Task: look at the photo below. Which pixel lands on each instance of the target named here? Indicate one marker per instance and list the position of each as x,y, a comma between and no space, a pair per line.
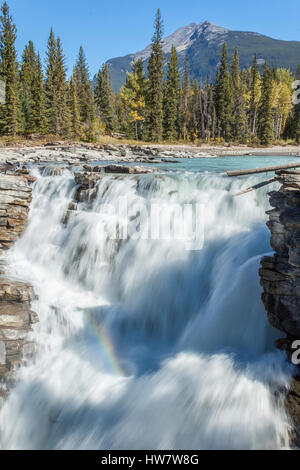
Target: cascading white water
144,344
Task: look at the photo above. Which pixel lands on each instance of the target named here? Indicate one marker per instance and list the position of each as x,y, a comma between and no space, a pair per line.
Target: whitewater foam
141,343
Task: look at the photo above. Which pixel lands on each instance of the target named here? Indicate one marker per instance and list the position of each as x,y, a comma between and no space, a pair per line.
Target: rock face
87,186
68,155
16,320
280,276
16,317
87,180
133,170
15,198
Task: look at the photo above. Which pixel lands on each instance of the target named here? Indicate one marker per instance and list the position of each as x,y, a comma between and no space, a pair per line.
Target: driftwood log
253,171
256,186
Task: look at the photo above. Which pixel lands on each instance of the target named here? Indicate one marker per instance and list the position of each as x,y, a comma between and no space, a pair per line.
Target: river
148,343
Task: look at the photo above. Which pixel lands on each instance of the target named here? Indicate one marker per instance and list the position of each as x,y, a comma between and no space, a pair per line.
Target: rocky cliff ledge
280,276
16,318
15,198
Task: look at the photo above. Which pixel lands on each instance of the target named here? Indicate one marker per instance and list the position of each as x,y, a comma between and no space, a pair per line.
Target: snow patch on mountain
184,37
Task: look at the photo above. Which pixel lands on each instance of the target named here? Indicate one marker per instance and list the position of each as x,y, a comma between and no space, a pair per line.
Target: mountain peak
203,43
184,37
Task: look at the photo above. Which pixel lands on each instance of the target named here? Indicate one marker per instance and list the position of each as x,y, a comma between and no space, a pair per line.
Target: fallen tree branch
256,186
262,170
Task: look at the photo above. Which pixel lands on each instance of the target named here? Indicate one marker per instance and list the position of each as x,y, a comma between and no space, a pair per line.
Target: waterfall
142,343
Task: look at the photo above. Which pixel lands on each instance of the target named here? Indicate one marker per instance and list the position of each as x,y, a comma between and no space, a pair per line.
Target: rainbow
107,348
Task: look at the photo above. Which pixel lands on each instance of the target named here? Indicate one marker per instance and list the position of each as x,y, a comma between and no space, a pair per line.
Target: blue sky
114,28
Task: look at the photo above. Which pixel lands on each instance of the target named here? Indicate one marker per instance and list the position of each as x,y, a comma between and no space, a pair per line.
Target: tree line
250,106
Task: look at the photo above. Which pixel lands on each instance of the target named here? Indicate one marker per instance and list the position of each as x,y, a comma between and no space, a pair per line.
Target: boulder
128,169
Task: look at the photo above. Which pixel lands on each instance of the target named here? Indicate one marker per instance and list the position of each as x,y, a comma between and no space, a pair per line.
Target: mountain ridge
202,42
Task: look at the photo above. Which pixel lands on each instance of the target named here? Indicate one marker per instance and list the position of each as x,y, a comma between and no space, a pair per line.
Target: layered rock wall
280,278
16,320
16,317
280,274
15,198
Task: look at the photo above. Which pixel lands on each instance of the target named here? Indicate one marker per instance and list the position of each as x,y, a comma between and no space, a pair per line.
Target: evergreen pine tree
51,59
212,114
172,98
60,106
266,118
295,134
56,88
224,97
85,90
186,90
104,98
292,130
10,112
254,94
239,123
201,109
215,100
197,103
209,111
133,97
27,74
235,70
141,80
75,121
39,98
156,82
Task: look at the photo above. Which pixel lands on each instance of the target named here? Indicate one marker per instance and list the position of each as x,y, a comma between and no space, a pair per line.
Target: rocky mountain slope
203,43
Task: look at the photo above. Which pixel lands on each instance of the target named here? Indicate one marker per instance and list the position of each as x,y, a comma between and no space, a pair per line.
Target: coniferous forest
250,106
